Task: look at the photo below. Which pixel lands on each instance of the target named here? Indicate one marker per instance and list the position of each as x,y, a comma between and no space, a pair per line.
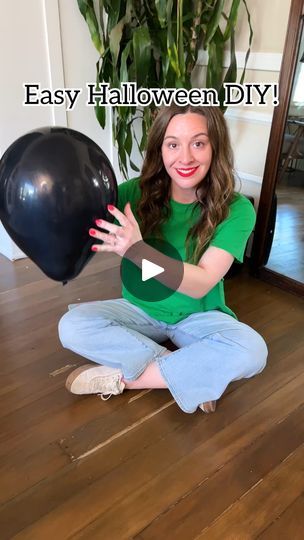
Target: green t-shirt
231,235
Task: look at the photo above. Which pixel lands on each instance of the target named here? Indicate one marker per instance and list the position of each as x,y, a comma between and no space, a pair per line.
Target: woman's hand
120,238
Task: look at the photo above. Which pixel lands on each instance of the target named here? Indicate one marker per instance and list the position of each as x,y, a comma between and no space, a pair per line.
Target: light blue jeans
214,348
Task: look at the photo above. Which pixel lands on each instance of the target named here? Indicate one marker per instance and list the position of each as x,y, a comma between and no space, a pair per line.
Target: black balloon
54,183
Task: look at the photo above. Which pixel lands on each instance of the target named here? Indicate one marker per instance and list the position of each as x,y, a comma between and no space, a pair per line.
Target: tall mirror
278,249
287,252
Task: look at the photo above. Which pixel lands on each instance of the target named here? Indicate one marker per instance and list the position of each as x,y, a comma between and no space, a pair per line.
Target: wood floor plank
290,523
95,435
263,503
21,444
149,468
24,385
22,272
289,368
286,255
32,294
282,370
209,500
131,487
43,312
29,449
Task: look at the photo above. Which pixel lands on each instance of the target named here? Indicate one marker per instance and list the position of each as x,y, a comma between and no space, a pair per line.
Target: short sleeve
233,233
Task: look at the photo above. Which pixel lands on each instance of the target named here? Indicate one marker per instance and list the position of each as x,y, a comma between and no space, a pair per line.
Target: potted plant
155,43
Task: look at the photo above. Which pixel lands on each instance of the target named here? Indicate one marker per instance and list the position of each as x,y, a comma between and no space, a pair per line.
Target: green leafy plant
155,43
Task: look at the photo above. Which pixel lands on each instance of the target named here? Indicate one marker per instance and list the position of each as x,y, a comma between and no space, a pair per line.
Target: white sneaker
95,379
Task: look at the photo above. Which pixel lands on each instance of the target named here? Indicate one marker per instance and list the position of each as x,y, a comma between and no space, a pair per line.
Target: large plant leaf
87,10
125,59
100,18
156,43
134,167
171,44
207,11
113,9
119,136
215,61
142,54
180,38
100,111
161,9
114,41
250,42
106,69
128,140
232,19
214,21
193,30
231,74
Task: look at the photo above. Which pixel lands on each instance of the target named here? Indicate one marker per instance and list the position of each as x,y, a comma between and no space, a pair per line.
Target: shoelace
102,396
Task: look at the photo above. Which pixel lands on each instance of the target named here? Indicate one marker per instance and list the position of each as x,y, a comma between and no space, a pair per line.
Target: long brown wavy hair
214,192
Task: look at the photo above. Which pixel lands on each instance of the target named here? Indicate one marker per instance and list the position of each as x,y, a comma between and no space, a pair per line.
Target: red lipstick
187,171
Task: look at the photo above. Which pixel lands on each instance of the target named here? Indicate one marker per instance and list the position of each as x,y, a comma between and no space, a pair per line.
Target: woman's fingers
105,237
103,247
119,238
121,218
106,225
129,213
98,234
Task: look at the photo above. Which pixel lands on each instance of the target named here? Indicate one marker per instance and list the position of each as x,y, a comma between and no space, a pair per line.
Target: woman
185,195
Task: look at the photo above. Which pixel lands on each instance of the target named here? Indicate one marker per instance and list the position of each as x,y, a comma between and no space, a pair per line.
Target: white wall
23,56
79,59
250,125
47,41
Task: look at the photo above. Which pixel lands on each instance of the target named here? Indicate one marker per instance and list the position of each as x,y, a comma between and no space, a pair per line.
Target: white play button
149,270
137,269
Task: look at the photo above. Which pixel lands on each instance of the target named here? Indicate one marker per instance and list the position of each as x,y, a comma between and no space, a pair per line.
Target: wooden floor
136,466
287,251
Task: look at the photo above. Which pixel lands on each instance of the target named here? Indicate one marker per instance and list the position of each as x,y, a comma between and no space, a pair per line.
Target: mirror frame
264,215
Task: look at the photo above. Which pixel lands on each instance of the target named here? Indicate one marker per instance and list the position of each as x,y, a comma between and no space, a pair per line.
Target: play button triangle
150,269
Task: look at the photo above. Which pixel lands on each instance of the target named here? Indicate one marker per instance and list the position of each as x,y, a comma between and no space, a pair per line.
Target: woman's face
187,154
